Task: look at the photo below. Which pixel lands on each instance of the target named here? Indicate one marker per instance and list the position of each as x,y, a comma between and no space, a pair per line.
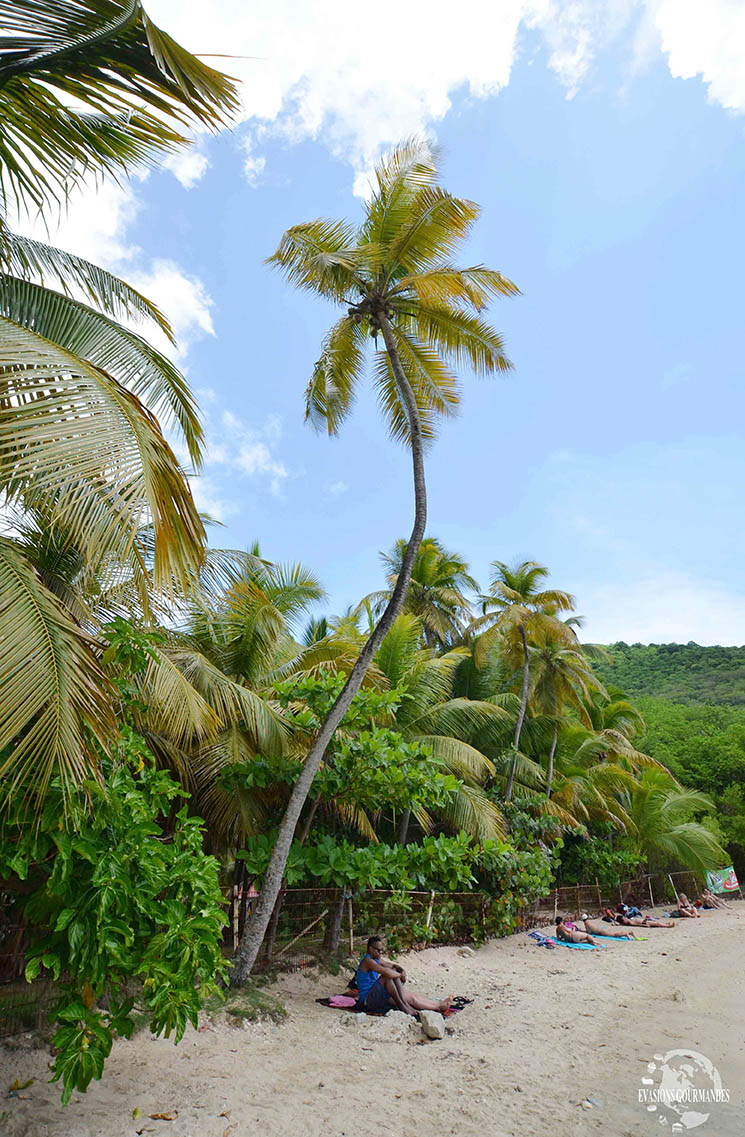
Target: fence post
431,906
649,886
600,895
235,906
351,924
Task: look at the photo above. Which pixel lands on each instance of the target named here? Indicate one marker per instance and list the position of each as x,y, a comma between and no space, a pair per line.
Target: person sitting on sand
686,910
709,900
380,985
571,935
598,928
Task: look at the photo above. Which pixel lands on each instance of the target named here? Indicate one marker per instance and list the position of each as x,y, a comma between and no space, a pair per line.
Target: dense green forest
704,747
682,673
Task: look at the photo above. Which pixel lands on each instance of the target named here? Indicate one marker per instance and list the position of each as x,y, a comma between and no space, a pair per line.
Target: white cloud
253,165
247,449
705,39
183,298
336,489
93,224
209,498
189,166
256,458
666,608
363,81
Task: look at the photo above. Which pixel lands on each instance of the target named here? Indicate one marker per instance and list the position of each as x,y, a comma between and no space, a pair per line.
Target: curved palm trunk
552,751
521,716
254,933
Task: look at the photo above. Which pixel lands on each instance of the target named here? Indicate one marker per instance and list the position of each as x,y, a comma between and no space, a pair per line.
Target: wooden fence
309,924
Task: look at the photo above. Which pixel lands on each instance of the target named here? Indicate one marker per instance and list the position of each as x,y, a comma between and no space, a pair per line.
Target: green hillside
693,702
681,673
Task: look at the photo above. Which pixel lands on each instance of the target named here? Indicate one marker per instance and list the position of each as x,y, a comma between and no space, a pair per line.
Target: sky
605,143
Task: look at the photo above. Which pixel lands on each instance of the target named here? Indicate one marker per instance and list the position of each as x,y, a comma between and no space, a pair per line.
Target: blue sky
611,192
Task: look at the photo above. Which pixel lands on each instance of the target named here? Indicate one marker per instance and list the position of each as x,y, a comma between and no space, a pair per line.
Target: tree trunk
273,925
523,709
333,931
256,928
403,827
552,751
309,820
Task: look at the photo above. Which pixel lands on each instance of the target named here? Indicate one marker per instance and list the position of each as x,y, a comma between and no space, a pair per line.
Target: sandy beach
547,1029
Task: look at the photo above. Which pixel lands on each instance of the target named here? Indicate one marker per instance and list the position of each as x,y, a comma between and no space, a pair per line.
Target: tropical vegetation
177,719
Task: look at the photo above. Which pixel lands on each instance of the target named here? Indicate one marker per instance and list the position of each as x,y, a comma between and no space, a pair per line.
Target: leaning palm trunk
550,769
521,715
250,944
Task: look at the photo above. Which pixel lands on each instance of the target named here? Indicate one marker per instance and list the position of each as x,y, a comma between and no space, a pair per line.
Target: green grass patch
248,1004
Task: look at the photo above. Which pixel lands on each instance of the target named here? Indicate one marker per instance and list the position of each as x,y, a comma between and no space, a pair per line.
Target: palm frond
446,286
330,394
176,709
99,340
34,260
458,757
56,702
466,340
71,433
399,175
230,702
471,811
136,86
320,256
437,223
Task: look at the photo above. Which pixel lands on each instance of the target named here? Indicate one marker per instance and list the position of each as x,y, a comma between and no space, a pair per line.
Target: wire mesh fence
312,925
23,1006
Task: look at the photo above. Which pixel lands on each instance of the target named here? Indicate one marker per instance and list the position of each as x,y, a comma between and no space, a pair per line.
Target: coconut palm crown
396,267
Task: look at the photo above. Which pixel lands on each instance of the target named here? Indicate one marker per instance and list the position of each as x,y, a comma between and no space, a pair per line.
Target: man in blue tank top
380,985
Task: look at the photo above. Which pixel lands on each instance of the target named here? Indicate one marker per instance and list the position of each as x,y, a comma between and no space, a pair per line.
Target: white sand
547,1029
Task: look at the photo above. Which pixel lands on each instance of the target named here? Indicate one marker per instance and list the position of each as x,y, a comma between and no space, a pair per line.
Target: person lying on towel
571,935
380,985
629,910
637,921
598,928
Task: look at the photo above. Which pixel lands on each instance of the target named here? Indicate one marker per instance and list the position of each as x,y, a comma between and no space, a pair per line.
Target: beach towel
347,1002
541,940
551,942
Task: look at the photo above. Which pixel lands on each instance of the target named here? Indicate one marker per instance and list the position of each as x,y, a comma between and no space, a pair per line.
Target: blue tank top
365,980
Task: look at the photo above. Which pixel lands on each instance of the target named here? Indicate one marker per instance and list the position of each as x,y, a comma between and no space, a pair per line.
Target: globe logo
680,1087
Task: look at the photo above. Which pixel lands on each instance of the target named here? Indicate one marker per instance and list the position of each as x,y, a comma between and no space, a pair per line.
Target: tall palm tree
393,274
562,680
436,593
79,442
516,607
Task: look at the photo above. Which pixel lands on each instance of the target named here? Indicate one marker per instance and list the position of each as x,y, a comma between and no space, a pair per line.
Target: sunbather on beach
686,910
380,985
709,900
641,921
599,928
572,935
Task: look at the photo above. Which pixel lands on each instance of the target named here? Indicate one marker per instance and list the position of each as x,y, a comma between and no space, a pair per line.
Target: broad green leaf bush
116,898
